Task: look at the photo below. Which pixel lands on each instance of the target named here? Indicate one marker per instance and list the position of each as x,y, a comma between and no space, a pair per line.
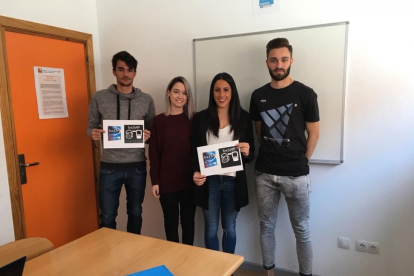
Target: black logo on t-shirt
277,120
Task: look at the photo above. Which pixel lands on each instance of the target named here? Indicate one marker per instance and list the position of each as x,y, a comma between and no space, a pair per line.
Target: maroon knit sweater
170,152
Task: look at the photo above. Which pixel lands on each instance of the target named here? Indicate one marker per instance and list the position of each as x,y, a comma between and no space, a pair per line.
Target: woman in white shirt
223,121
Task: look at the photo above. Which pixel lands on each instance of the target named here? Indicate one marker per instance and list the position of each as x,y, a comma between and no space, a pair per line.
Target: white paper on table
220,158
50,92
123,134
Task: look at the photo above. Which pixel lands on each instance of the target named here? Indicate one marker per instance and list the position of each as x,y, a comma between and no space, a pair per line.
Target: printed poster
220,158
50,92
123,134
265,6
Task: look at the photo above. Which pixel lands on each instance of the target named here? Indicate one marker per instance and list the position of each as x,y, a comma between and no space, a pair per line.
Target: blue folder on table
156,271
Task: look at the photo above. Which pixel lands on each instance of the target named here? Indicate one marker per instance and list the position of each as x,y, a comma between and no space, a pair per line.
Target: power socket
361,246
373,247
367,246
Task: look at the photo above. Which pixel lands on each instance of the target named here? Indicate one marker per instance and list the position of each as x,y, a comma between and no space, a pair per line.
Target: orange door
59,197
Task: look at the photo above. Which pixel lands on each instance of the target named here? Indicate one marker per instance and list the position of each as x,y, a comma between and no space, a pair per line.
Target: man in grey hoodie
121,166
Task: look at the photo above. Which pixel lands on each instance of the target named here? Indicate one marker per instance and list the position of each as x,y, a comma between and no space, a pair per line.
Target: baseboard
259,268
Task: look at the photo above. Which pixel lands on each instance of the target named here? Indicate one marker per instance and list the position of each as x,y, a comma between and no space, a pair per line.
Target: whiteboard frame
346,23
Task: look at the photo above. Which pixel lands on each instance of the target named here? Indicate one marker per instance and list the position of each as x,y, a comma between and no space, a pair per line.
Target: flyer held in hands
123,134
220,158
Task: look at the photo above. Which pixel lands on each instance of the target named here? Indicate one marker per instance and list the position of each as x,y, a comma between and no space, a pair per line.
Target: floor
242,272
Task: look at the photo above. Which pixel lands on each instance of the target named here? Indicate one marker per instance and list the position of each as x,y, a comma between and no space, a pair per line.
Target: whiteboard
319,61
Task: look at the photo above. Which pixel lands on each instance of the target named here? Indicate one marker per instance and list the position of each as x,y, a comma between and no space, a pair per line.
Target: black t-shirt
283,114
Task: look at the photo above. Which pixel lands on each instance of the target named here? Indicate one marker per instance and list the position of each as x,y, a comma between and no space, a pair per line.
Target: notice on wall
50,92
123,134
220,158
265,6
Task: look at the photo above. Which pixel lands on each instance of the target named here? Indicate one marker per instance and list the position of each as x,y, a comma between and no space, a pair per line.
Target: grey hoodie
103,106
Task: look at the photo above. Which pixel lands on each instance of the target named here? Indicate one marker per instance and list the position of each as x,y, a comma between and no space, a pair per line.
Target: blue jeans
110,185
221,196
296,191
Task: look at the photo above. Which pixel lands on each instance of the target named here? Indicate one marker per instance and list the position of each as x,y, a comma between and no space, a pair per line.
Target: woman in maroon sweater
170,160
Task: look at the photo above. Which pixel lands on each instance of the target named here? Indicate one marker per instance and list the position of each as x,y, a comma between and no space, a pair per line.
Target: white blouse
225,135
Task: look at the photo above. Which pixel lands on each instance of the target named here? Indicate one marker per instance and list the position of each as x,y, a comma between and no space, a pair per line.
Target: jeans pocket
141,170
309,184
106,171
256,172
297,177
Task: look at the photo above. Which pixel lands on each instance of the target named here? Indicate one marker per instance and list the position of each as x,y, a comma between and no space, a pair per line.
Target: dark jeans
221,196
110,185
175,206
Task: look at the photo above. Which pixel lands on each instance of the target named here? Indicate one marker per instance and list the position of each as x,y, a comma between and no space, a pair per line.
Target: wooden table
110,252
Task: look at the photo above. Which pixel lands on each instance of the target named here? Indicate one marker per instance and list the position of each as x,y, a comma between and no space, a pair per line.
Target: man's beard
279,77
125,82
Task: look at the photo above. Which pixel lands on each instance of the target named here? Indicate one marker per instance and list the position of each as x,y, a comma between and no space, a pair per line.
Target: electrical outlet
373,247
367,246
361,245
344,243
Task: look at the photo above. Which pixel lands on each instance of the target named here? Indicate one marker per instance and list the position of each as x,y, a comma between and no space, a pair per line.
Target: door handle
30,164
22,167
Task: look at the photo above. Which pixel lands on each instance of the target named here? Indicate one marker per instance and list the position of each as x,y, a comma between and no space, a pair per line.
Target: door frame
7,118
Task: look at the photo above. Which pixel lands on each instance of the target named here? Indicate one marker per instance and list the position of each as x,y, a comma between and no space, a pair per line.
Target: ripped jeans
296,191
221,196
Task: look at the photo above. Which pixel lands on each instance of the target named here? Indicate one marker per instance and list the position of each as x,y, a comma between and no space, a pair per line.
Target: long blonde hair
190,106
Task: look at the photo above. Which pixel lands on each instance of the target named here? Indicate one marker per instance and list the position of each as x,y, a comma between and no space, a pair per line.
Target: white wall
370,195
78,15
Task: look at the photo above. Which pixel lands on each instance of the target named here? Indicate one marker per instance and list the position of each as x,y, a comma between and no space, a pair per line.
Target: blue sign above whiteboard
266,2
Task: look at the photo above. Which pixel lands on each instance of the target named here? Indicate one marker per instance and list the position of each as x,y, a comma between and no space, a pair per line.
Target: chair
14,268
29,247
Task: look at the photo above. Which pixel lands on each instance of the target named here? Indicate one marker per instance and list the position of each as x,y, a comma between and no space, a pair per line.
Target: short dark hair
125,57
278,43
234,108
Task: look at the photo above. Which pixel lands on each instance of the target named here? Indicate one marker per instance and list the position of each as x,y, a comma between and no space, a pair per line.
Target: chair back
14,268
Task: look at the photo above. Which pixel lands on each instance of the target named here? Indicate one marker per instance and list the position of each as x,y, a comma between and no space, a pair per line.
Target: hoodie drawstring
129,109
118,111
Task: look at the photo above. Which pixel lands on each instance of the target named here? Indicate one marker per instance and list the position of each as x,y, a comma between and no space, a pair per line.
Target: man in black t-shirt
283,110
